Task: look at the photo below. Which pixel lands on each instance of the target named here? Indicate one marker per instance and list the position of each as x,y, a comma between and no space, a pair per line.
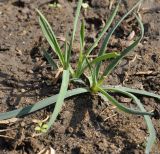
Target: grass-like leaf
134,91
109,34
74,28
95,79
91,78
82,44
82,36
102,58
152,133
66,50
61,97
120,106
106,40
152,137
50,36
109,22
50,60
40,105
115,61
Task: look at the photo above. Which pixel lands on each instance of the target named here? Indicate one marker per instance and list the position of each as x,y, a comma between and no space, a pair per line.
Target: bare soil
86,124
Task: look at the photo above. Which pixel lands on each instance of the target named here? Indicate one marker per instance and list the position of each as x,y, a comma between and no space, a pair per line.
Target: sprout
95,79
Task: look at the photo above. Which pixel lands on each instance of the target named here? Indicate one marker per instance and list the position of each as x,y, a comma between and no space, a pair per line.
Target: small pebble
19,52
59,129
131,36
69,130
30,71
23,90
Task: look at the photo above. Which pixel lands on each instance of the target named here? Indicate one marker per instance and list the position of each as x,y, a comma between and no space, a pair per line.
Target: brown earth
86,124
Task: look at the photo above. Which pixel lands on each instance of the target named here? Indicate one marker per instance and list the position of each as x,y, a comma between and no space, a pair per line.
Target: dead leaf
144,73
37,121
131,36
5,136
58,74
8,121
4,130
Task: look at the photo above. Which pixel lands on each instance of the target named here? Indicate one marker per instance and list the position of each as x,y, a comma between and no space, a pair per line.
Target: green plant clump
41,128
95,78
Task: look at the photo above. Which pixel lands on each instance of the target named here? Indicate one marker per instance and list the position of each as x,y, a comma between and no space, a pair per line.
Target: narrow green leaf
104,57
66,48
81,64
50,36
135,91
108,36
76,19
109,22
82,44
91,79
83,61
101,58
120,106
40,105
74,28
152,133
71,70
50,60
115,61
82,35
61,97
78,80
152,137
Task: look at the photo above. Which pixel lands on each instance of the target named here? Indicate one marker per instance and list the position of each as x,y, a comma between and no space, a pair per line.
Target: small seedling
95,79
41,128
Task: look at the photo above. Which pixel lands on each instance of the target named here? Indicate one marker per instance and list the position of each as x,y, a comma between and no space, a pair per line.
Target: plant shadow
16,91
85,116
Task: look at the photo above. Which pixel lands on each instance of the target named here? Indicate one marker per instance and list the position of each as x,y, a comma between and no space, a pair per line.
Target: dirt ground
86,124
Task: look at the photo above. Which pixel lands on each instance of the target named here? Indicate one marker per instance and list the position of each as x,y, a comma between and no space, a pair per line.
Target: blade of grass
66,48
79,81
152,137
50,36
101,58
82,36
76,19
109,22
135,91
91,79
115,61
108,36
50,60
82,43
74,29
40,105
60,99
152,133
120,106
71,70
106,40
